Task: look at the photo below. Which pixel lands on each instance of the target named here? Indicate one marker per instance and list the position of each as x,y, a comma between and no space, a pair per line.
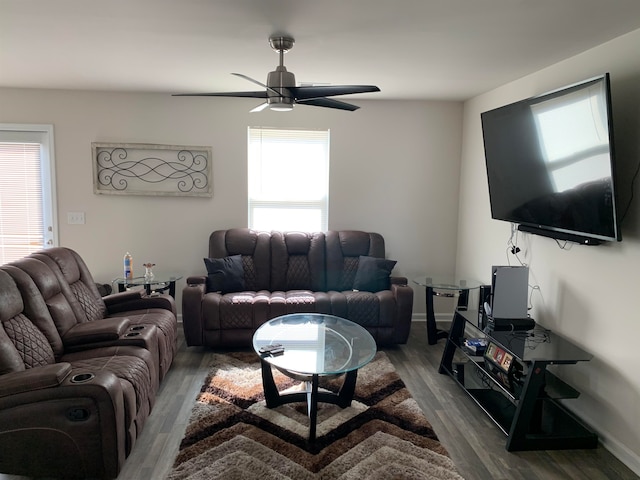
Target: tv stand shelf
523,403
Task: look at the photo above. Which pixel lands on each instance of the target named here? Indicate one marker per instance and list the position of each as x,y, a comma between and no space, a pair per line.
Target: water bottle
128,266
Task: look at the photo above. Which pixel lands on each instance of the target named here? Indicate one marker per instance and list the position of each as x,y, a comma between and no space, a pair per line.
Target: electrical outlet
75,218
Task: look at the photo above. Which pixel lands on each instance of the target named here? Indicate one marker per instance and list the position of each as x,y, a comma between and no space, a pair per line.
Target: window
27,190
288,179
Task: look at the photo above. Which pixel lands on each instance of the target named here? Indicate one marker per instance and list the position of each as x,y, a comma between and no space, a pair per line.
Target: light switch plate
75,218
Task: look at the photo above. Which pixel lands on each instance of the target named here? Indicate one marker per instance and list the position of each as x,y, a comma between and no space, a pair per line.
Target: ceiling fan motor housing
279,80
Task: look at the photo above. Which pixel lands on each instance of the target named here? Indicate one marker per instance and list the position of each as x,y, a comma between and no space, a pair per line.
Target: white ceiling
431,49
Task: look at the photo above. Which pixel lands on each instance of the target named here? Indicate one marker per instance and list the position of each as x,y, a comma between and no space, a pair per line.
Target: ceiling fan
281,93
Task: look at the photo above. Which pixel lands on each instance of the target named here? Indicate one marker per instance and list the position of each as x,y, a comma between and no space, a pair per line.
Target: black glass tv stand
513,386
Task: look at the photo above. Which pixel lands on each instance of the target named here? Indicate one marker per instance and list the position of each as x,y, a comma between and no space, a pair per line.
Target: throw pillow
225,275
373,274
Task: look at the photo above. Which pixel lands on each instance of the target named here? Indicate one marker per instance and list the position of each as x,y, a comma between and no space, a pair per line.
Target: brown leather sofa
78,373
342,273
74,303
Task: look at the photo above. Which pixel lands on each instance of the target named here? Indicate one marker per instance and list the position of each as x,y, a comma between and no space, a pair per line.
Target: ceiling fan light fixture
281,107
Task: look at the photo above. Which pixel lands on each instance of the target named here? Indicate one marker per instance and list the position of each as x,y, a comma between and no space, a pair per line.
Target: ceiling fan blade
250,79
256,82
304,93
329,103
260,94
260,107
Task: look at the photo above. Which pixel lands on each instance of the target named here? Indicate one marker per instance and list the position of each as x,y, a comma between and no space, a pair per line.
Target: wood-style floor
473,441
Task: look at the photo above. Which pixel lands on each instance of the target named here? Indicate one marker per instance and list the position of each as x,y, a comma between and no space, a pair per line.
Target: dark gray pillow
225,275
373,274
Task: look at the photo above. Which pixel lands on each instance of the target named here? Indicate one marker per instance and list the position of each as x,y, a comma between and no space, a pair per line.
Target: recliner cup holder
82,377
138,327
132,334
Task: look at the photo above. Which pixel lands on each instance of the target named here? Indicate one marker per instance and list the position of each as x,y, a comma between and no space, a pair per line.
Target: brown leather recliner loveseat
78,373
255,276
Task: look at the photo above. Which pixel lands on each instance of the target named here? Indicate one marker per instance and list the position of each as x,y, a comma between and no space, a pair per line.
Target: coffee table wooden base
312,396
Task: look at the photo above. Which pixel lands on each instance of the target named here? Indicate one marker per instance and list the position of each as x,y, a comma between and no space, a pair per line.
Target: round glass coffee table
312,345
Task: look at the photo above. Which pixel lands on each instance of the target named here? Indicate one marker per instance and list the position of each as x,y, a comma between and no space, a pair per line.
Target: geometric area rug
382,435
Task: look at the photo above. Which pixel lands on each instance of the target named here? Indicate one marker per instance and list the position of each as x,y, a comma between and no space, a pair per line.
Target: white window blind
288,175
26,192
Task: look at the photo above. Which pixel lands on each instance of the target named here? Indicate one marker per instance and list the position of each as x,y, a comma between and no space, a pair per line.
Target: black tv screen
550,163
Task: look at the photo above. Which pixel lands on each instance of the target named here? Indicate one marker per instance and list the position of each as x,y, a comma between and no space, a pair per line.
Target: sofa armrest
120,297
398,280
192,322
403,295
196,280
136,300
104,330
37,378
56,417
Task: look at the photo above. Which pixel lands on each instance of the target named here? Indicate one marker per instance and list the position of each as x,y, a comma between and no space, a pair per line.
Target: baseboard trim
416,317
422,317
617,449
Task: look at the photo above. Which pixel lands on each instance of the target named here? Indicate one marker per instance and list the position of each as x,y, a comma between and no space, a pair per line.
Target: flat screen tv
550,163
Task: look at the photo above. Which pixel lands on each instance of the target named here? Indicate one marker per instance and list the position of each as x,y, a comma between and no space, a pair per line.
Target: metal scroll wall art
142,169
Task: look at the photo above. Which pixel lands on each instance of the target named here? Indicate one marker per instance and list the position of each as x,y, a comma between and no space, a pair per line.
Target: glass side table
444,287
160,283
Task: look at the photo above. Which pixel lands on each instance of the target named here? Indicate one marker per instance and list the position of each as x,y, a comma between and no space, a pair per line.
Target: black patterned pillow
373,274
225,275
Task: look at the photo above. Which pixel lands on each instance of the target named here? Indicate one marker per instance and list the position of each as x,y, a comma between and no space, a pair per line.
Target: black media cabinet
520,395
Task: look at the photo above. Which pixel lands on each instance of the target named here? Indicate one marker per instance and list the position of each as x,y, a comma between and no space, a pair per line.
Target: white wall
394,170
587,293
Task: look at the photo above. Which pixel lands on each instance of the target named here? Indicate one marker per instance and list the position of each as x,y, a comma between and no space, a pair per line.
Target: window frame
42,134
255,165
